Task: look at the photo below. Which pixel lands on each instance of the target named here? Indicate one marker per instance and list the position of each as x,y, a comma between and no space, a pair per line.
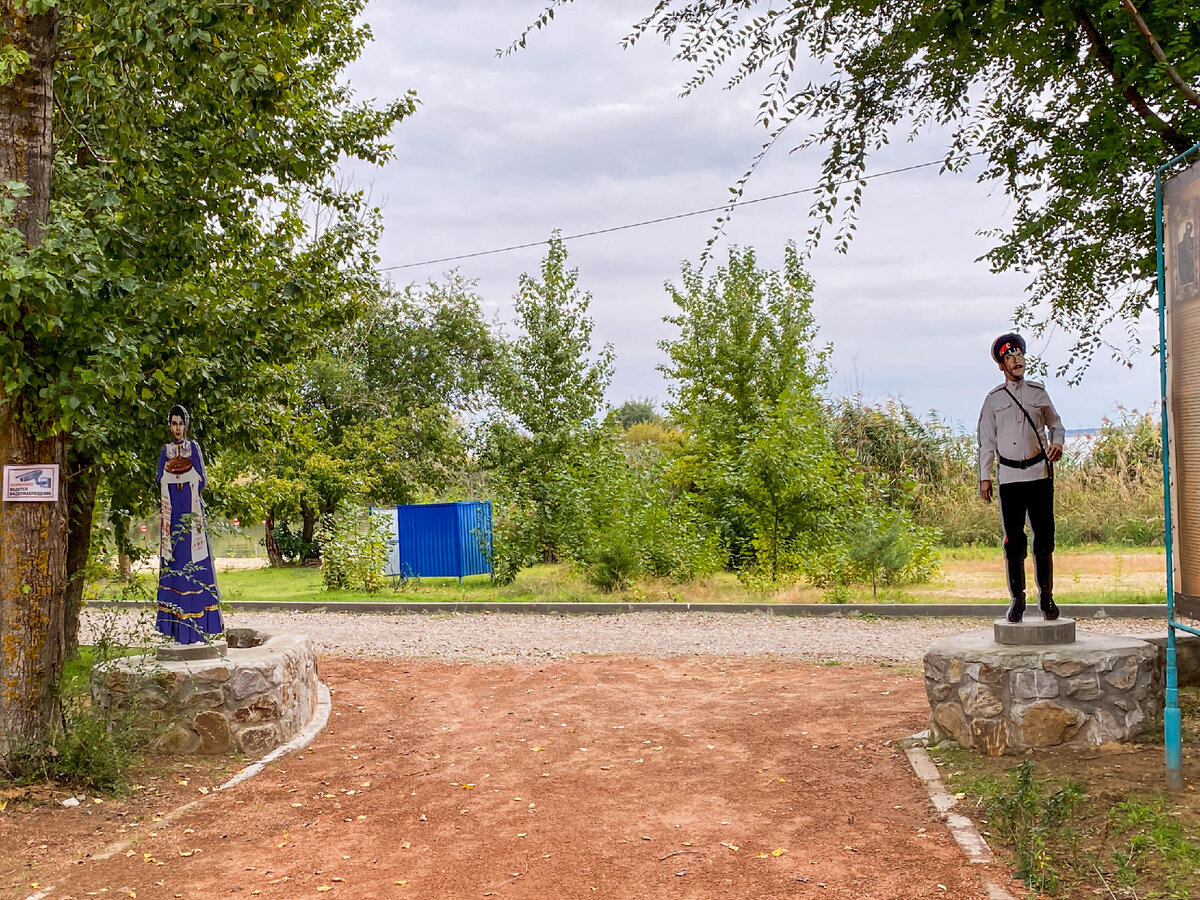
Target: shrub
613,563
292,547
353,550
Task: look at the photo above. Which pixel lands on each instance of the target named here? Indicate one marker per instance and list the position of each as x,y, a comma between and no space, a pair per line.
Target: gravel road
499,637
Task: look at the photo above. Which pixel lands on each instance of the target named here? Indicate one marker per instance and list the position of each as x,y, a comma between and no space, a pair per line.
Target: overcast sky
577,134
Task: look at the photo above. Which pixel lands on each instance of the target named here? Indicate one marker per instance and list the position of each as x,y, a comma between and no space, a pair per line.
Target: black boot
1043,571
1015,570
1016,609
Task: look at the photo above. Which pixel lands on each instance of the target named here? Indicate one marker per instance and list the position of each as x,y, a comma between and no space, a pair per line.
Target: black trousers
1032,500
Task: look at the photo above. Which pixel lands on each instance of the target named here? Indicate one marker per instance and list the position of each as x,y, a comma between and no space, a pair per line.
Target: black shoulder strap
1036,433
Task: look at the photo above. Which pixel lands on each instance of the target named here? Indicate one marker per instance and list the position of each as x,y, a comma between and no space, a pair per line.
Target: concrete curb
962,829
889,610
307,735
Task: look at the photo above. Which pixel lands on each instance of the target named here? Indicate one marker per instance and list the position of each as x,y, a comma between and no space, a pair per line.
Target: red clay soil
587,778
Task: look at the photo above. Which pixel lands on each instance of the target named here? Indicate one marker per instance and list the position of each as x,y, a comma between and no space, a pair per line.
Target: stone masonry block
1034,684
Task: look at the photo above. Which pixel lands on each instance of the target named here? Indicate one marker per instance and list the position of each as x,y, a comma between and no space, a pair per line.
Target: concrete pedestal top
1037,632
174,652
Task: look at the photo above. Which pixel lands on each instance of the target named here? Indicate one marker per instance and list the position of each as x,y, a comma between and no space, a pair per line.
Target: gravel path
498,637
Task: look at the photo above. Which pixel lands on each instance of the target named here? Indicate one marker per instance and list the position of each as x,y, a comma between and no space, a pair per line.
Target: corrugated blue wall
444,540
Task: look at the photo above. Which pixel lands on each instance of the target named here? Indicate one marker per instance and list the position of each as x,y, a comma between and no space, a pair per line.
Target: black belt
1022,463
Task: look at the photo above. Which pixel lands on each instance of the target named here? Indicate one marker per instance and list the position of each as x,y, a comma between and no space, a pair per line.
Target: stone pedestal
259,694
1002,698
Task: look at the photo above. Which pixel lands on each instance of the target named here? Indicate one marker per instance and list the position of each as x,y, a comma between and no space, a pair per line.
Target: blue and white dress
188,598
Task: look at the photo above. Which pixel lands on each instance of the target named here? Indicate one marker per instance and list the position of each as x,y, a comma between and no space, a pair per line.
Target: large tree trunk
274,557
26,108
33,577
33,536
308,517
81,505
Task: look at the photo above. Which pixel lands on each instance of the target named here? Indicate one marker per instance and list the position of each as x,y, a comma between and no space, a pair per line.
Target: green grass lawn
969,575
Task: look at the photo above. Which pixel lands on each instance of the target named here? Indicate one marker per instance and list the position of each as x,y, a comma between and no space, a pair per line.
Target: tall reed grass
1108,487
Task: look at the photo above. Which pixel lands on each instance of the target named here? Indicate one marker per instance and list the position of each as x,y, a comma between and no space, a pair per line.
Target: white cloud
576,133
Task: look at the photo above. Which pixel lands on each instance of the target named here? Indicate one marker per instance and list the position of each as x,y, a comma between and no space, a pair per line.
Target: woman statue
188,599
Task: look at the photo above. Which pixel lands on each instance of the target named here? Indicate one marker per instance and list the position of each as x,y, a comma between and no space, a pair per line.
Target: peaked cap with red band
1006,343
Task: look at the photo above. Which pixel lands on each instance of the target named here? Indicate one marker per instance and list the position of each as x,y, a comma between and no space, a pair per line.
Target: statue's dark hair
178,410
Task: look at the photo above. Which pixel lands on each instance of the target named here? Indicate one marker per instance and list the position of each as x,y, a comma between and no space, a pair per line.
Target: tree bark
274,557
308,516
26,110
33,536
81,506
33,580
1178,141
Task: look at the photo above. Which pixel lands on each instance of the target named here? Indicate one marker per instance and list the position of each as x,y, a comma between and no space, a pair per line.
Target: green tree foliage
634,519
638,411
1071,105
194,246
745,376
548,394
378,410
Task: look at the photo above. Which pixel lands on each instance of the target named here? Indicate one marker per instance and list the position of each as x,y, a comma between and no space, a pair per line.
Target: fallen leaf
778,851
321,888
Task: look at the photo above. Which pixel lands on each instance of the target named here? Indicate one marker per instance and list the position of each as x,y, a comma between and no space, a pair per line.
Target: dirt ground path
602,777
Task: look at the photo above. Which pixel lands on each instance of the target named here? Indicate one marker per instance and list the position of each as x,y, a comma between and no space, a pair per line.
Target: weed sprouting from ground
1035,822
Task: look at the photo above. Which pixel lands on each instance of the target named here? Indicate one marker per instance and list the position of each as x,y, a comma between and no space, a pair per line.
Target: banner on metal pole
1181,230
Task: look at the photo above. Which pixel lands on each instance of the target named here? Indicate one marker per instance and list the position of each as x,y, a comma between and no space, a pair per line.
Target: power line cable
660,219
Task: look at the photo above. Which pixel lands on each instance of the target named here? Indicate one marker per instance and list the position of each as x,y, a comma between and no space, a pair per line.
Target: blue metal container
439,540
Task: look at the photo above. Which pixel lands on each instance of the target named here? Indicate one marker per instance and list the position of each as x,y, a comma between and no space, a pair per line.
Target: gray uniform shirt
1004,430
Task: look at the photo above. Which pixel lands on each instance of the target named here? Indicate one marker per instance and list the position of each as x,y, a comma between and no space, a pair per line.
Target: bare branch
1104,55
1177,80
96,156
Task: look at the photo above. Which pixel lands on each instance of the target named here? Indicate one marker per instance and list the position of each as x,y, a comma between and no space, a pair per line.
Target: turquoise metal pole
1172,717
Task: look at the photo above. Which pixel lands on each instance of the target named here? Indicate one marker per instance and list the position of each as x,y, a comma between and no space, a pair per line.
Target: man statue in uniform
1019,428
